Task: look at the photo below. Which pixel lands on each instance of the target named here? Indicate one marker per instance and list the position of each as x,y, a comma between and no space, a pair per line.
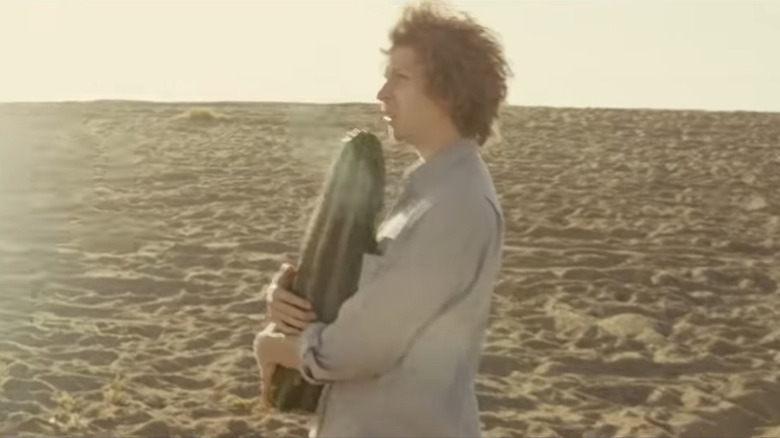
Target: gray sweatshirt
403,354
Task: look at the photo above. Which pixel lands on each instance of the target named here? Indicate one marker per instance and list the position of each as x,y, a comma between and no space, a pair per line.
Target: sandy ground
639,295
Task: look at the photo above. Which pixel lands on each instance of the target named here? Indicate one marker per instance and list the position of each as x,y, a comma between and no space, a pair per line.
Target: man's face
408,108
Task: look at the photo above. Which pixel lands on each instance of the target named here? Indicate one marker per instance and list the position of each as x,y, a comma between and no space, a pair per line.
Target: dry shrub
202,115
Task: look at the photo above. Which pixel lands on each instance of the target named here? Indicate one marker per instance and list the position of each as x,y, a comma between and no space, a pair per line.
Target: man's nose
382,93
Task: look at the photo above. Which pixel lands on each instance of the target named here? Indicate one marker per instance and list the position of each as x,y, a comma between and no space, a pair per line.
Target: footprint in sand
636,326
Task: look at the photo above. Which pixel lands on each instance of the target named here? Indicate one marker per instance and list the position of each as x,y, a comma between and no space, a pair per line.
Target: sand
639,294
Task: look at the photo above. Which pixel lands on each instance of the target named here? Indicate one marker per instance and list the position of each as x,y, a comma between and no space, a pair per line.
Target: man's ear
442,102
446,105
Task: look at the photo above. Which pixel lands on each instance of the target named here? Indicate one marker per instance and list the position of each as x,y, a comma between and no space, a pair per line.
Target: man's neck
437,140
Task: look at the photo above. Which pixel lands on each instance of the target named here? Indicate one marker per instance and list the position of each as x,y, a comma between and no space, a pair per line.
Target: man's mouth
387,115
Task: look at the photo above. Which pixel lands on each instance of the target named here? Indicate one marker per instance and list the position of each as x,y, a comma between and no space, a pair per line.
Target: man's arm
431,264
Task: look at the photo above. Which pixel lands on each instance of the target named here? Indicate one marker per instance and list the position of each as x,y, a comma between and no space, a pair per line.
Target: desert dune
639,292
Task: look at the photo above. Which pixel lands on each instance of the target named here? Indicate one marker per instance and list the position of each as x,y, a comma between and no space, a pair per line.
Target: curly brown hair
464,63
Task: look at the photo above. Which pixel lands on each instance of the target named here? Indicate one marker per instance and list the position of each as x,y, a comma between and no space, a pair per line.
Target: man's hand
266,356
289,312
273,349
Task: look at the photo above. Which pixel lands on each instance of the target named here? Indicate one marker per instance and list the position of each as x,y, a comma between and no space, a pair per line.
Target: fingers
280,287
290,326
263,355
285,296
256,346
288,329
267,371
288,318
290,314
284,276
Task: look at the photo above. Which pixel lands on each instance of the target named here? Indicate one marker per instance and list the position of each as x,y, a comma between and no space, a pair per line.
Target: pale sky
717,55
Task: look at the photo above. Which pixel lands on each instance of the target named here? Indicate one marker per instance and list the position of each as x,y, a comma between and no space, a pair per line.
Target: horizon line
364,103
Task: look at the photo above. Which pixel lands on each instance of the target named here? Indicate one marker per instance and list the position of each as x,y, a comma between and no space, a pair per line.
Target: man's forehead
402,58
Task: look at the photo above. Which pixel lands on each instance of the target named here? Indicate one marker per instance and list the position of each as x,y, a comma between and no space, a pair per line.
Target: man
402,356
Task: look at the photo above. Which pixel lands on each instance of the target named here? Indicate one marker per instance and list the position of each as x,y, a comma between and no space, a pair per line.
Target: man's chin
394,135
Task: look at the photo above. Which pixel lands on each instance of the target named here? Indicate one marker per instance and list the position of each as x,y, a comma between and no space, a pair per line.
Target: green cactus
341,229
